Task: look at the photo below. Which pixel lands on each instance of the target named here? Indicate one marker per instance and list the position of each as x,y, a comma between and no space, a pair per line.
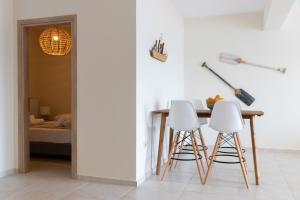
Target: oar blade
229,59
244,96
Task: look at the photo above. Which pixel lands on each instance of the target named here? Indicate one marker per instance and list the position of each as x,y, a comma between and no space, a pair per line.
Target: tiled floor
280,178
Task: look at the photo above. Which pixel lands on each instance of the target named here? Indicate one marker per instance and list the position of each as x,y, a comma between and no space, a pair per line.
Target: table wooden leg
161,142
171,139
254,150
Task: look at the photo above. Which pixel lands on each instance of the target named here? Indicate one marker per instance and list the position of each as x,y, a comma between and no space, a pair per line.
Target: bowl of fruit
210,102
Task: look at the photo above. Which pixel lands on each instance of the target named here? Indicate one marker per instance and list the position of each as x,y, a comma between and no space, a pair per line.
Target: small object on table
210,102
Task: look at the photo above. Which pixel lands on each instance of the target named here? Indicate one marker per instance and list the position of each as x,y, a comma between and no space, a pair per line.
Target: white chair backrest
226,117
183,116
240,109
198,105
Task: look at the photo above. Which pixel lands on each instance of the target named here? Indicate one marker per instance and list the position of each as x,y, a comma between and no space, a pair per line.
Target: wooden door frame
23,82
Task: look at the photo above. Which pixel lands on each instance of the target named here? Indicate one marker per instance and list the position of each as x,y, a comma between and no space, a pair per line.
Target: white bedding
52,135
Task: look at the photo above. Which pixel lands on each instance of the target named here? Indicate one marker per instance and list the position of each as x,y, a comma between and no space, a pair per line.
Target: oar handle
215,73
282,70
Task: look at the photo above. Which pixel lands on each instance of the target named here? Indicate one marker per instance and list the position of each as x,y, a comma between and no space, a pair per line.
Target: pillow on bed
67,123
63,120
62,116
35,121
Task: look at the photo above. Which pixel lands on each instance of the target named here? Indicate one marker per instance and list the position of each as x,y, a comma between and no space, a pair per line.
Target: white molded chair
183,119
202,121
240,108
198,105
226,118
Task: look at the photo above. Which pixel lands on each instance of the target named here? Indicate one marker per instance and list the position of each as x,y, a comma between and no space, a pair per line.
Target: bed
47,139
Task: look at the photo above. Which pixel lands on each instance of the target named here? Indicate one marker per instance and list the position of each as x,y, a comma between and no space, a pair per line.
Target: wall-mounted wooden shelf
158,50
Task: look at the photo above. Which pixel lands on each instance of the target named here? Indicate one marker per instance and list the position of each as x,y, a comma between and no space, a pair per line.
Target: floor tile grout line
75,189
127,192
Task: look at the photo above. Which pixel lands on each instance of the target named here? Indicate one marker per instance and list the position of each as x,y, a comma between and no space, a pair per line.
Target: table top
207,113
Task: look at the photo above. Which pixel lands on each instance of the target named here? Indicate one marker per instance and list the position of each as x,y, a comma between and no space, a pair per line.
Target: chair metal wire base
224,150
229,152
185,150
185,159
189,149
227,162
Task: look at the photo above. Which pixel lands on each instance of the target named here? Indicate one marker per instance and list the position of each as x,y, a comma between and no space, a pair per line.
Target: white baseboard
8,172
107,180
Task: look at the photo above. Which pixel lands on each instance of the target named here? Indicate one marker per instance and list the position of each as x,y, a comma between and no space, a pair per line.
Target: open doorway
47,91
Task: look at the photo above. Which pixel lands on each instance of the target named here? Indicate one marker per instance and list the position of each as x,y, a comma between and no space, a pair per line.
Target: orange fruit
210,99
218,98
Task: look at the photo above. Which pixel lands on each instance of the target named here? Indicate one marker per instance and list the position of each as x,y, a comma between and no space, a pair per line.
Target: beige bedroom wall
49,76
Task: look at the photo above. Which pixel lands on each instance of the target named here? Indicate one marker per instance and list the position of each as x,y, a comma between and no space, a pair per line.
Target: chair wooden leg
175,148
216,147
199,152
239,151
196,156
203,146
170,156
180,149
240,144
171,139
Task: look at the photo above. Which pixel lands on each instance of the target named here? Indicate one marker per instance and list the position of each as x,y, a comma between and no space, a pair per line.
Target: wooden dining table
246,114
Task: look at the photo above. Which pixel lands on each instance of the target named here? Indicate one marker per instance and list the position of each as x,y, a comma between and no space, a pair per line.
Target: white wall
6,88
157,82
106,82
276,94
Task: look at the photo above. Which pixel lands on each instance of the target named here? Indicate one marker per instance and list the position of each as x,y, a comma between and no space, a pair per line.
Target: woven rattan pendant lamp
55,41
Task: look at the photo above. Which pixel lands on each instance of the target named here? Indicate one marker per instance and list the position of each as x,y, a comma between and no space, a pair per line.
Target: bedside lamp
45,112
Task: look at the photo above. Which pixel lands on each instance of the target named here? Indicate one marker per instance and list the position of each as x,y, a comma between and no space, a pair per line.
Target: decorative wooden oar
239,93
236,60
